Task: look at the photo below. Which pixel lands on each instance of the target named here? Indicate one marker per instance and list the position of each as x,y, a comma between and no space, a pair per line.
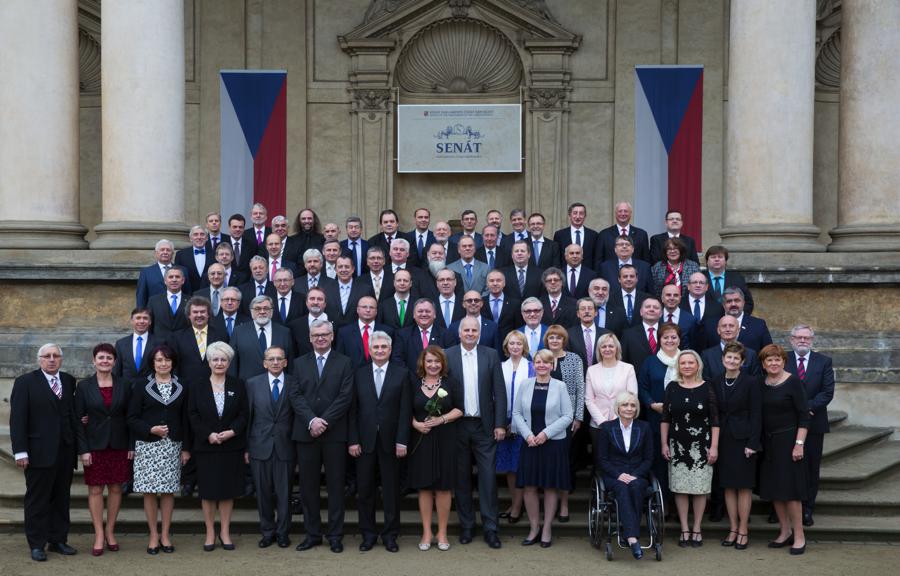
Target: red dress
108,466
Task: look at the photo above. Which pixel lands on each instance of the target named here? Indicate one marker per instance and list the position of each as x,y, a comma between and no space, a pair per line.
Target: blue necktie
174,304
448,317
468,274
421,245
138,353
495,309
229,325
537,252
491,260
600,320
578,237
261,289
698,317
717,284
275,392
283,309
629,310
521,281
262,340
199,251
355,255
321,364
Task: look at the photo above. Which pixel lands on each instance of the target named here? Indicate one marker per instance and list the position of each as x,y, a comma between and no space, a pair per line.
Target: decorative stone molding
539,6
828,44
460,8
548,98
459,56
88,63
380,7
371,100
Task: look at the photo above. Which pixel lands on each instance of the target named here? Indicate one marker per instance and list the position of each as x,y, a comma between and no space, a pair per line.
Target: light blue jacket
558,413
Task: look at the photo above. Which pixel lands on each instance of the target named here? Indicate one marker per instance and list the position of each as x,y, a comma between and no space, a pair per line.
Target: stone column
869,195
39,125
143,123
769,154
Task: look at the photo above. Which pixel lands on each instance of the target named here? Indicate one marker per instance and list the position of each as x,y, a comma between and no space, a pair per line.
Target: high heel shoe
798,551
532,541
229,546
696,542
786,542
112,547
740,546
726,541
684,542
97,551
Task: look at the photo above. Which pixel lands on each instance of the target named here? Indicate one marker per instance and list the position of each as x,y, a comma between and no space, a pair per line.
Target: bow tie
199,251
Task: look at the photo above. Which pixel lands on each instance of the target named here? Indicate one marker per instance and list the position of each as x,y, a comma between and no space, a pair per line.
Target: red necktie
365,337
624,233
670,317
651,339
424,339
801,369
274,269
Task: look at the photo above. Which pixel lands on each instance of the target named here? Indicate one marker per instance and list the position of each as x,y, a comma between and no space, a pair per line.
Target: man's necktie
259,237
376,283
801,369
201,342
199,251
495,309
717,286
698,316
320,362
578,237
55,387
535,342
448,316
138,353
237,252
215,302
670,318
572,282
491,260
275,392
589,346
262,340
402,312
600,320
355,255
283,309
174,304
365,339
379,381
468,274
424,339
629,308
229,325
651,340
274,269
553,304
537,252
522,281
623,232
421,245
215,241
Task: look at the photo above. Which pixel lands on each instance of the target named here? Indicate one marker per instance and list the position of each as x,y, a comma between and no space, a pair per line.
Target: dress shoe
229,546
786,542
424,546
773,517
367,545
636,550
531,541
563,519
112,547
61,548
738,545
546,543
209,547
391,545
167,549
684,542
808,519
96,551
308,543
336,546
38,555
515,519
492,539
696,539
283,541
726,541
154,550
443,546
798,551
465,537
266,541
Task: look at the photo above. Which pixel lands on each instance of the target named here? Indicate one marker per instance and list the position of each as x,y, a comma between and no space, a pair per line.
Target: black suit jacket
502,258
106,427
327,397
297,244
363,248
635,346
707,329
576,342
348,315
615,460
389,315
165,324
185,259
249,292
39,422
248,251
533,285
219,321
566,309
609,271
192,368
349,342
205,418
380,241
713,367
301,284
563,237
248,358
656,247
457,313
124,367
740,408
732,279
413,238
606,244
492,401
510,315
582,284
408,343
819,385
550,254
249,240
146,409
386,418
296,309
617,303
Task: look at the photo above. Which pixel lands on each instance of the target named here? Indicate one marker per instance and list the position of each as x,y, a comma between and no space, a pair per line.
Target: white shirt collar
272,378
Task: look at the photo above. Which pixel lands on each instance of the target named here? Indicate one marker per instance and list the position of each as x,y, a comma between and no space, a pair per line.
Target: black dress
431,464
740,405
784,411
547,465
691,414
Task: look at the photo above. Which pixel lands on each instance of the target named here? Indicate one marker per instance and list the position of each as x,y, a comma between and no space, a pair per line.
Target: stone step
857,469
837,417
844,440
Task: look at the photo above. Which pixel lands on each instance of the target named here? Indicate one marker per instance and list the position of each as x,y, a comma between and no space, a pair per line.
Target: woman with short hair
516,369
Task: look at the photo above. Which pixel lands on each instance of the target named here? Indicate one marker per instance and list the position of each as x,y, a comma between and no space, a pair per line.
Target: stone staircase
859,498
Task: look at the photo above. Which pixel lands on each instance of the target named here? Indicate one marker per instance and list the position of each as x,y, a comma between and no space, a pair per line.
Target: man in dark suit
420,238
195,258
642,339
354,245
133,360
442,237
606,238
449,305
728,329
151,280
544,252
380,417
577,233
817,374
270,448
489,335
624,257
230,315
316,301
308,233
627,298
251,339
491,253
583,337
523,279
254,237
314,277
42,430
409,341
321,402
274,259
674,222
754,331
190,343
720,279
289,303
167,309
608,317
215,284
376,276
343,298
577,276
354,340
672,313
242,253
224,254
558,308
499,307
469,221
396,312
477,369
292,247
389,223
214,235
533,329
258,285
704,310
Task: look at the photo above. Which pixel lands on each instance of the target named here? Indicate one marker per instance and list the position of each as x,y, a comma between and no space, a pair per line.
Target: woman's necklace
430,387
730,382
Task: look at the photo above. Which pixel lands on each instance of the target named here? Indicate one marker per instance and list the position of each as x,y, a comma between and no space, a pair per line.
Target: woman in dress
604,382
437,403
516,369
656,373
569,368
157,417
541,416
740,403
625,452
782,472
690,442
218,414
675,269
101,402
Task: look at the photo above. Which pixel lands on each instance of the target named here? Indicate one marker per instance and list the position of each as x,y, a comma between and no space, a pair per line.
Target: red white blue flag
668,138
253,118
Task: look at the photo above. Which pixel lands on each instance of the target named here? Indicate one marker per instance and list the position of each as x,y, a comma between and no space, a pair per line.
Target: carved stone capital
460,8
548,98
371,99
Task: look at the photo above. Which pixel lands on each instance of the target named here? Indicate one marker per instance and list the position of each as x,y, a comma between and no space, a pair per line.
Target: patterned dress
691,414
108,466
157,465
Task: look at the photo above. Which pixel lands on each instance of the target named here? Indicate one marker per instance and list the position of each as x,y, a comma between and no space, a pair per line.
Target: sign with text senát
459,138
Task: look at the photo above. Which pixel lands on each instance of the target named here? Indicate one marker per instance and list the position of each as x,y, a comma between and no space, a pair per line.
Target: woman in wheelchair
625,454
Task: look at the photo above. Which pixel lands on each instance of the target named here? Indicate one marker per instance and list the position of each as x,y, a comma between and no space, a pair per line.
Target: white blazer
557,415
600,396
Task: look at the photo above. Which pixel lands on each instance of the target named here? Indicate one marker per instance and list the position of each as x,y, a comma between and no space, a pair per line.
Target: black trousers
47,495
368,468
310,458
629,502
812,453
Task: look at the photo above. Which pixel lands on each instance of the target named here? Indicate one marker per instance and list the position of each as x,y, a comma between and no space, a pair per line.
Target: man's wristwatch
798,442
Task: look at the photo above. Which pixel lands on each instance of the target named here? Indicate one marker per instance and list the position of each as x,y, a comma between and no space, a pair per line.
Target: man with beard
251,339
308,231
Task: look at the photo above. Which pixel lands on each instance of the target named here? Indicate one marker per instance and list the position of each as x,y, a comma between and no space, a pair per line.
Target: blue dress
547,465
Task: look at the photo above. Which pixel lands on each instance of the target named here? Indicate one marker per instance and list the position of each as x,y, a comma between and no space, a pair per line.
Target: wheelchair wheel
656,517
609,555
658,549
596,515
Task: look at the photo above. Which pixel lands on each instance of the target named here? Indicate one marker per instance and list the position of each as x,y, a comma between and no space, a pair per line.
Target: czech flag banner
668,138
253,118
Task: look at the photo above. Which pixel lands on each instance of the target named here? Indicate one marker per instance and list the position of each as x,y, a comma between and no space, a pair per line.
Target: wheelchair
603,519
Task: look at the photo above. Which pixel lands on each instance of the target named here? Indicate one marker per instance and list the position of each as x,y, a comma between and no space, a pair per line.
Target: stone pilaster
143,123
39,125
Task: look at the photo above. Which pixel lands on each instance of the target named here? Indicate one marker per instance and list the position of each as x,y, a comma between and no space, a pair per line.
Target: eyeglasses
275,359
539,311
261,309
51,356
472,300
317,336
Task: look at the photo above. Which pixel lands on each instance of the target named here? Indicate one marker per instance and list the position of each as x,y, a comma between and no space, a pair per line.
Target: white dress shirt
470,381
